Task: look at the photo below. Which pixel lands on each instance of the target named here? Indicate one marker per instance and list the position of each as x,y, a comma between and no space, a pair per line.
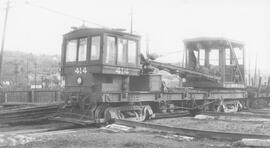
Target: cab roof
83,31
211,42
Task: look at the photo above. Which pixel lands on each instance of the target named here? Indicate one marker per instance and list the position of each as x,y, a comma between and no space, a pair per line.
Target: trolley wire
3,4
12,4
65,14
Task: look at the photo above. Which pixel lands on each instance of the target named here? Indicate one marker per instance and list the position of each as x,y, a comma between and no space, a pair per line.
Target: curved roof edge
102,30
204,39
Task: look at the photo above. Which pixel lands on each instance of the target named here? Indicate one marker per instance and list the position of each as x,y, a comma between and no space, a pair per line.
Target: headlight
79,80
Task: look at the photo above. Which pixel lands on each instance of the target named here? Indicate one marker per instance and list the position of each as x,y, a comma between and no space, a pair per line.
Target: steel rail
80,122
171,115
193,132
238,114
261,112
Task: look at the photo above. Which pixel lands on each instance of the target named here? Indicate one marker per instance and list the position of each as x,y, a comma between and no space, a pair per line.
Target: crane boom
182,70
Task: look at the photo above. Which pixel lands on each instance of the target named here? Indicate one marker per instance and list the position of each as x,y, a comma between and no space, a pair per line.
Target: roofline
103,30
212,39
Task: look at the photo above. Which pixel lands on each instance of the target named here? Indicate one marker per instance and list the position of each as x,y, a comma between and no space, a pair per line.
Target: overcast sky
38,27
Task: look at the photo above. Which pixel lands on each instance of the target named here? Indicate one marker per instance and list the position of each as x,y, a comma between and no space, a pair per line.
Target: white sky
166,22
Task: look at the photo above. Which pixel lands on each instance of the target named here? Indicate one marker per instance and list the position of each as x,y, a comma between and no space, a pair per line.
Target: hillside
19,69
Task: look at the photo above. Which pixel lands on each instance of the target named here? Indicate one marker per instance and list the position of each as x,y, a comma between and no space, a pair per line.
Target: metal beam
236,61
182,70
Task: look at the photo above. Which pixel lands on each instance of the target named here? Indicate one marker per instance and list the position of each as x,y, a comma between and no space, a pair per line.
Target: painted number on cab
80,70
133,98
121,70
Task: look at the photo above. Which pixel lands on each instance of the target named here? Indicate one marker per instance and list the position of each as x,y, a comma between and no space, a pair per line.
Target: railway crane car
220,57
106,76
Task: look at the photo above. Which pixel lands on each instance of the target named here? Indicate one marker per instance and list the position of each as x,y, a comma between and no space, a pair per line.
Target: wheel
99,112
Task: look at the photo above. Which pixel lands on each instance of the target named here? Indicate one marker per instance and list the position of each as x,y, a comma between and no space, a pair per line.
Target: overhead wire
4,4
65,14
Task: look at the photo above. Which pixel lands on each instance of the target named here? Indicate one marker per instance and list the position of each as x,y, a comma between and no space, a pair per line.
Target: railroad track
237,114
182,131
193,132
171,115
259,111
32,113
85,121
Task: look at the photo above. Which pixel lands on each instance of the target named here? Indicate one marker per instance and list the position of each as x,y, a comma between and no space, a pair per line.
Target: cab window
132,51
95,48
122,50
214,57
228,56
71,50
111,47
202,57
239,55
82,49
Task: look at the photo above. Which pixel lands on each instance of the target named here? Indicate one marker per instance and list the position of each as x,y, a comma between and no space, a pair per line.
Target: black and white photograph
134,73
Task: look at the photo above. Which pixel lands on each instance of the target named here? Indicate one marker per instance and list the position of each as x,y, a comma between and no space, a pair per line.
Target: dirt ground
67,136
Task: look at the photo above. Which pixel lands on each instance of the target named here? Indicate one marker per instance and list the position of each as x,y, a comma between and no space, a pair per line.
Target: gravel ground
93,137
222,123
36,136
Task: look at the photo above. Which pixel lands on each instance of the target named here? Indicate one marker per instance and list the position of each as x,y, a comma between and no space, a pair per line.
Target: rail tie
193,132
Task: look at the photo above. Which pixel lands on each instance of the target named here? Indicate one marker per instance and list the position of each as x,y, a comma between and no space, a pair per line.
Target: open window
95,48
122,51
239,55
132,51
228,56
82,53
111,47
214,57
71,51
202,57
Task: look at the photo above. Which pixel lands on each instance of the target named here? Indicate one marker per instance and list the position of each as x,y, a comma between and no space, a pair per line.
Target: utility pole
147,41
268,86
3,40
16,72
35,76
249,74
34,96
27,72
255,73
131,21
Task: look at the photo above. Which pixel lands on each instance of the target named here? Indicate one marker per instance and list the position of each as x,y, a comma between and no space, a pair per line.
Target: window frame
105,49
78,47
124,62
211,59
136,53
77,50
228,57
202,57
66,45
90,48
239,55
117,36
